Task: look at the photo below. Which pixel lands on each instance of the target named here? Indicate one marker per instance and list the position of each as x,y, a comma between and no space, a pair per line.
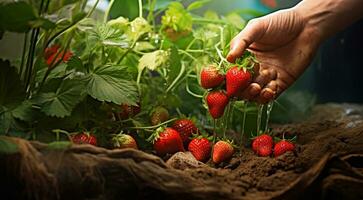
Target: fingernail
267,94
254,91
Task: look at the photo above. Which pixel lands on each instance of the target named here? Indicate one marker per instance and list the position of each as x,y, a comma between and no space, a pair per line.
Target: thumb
251,33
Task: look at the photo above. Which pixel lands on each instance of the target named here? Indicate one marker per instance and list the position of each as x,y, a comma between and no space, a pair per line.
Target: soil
327,164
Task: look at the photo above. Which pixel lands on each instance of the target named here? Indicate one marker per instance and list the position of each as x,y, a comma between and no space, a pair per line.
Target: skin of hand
284,43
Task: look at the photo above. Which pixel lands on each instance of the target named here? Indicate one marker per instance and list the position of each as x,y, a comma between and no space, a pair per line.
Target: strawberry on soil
166,141
222,151
201,148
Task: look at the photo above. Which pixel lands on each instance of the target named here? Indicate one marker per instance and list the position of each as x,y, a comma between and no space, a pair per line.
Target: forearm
330,16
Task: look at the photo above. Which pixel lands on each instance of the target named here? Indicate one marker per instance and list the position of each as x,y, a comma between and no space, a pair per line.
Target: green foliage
197,4
153,60
12,93
57,5
107,83
17,16
177,18
60,103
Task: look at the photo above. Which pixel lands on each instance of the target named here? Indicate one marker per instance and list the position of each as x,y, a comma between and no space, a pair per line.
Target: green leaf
7,147
138,27
236,20
75,63
61,102
78,17
24,111
197,4
42,23
57,5
153,60
125,8
177,18
175,64
144,46
110,84
16,16
120,23
12,92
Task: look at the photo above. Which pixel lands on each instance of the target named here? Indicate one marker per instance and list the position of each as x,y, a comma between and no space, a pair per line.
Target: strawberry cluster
236,80
263,145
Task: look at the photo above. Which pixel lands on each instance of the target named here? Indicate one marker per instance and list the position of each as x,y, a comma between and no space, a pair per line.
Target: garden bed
326,165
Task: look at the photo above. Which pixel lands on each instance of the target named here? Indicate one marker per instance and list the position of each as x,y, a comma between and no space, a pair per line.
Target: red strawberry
167,140
122,141
264,151
261,141
51,53
237,79
84,138
222,151
200,147
159,115
217,102
282,147
210,77
186,128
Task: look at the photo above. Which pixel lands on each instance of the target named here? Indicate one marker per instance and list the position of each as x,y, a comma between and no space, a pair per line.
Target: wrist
326,17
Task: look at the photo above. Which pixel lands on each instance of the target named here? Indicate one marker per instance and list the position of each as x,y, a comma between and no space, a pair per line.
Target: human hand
284,45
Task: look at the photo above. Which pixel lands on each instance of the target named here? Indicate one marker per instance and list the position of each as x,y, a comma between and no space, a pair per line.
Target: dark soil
327,164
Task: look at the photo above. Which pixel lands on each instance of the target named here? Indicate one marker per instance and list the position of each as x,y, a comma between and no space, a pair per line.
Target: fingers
251,33
264,87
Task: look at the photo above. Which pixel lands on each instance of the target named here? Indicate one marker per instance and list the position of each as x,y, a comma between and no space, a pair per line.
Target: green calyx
246,62
156,134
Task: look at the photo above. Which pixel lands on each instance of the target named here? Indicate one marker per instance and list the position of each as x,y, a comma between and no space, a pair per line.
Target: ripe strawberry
186,128
217,102
159,115
210,77
282,147
166,140
261,141
51,53
222,151
200,147
122,141
84,138
237,80
264,151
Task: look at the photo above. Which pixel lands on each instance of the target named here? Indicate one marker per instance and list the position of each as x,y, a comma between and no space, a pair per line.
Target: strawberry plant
83,70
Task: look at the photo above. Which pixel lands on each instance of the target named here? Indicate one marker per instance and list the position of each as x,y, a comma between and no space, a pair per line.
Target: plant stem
21,69
107,13
155,126
186,53
139,79
243,121
71,25
127,51
182,69
208,21
190,92
140,8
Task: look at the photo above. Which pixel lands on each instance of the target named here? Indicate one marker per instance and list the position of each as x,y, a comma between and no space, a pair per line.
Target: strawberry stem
243,122
214,131
155,126
259,116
